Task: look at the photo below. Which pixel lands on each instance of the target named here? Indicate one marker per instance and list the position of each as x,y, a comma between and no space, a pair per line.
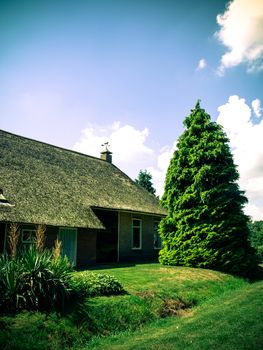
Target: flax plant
34,279
13,236
40,237
57,250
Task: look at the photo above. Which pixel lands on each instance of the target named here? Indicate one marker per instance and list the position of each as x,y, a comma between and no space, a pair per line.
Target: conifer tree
145,180
206,226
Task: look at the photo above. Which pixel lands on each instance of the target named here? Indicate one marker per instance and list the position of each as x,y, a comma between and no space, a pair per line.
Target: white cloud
254,211
130,152
256,107
247,145
201,64
241,31
158,171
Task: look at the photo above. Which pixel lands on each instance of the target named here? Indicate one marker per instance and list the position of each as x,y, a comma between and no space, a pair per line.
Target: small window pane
136,239
136,223
28,236
136,234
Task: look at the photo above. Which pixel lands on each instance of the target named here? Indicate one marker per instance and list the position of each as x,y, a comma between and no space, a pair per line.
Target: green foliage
10,283
205,226
145,180
256,237
33,281
87,284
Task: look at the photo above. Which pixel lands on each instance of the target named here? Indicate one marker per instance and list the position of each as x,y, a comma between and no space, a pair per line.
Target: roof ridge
51,145
65,149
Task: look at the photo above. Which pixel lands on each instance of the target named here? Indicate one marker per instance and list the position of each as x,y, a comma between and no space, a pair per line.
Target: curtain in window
68,237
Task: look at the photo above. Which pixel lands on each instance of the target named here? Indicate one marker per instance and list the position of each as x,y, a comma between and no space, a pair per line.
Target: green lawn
160,280
209,310
154,291
232,321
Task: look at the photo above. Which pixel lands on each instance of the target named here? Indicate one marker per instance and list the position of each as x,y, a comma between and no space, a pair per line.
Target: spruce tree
206,226
145,180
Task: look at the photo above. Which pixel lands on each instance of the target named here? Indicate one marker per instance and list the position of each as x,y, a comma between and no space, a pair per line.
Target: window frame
140,233
32,235
156,234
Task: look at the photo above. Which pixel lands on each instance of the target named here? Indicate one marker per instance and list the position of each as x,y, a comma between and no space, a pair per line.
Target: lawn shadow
103,266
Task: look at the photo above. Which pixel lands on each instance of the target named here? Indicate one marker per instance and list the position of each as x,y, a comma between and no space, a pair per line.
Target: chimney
106,154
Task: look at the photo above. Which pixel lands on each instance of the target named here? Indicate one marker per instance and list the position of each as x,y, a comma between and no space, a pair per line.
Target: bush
10,283
33,280
95,284
256,237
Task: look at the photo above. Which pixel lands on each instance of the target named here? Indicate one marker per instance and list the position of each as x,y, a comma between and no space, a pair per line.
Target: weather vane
106,145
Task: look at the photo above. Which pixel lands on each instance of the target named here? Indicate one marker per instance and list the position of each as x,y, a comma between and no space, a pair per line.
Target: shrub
95,284
33,281
10,283
256,237
45,281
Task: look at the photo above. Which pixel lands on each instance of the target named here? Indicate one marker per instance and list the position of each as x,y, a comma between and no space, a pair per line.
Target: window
156,236
28,236
136,234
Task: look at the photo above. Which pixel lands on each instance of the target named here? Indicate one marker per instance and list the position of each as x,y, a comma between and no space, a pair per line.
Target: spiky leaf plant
33,280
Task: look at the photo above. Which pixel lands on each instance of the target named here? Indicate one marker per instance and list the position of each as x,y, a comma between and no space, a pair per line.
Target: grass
200,297
153,292
192,285
233,321
38,331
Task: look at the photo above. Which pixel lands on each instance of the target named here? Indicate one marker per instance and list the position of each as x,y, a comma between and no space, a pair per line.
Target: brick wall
147,251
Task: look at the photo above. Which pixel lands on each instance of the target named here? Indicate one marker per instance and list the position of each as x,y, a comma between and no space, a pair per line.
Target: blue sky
79,73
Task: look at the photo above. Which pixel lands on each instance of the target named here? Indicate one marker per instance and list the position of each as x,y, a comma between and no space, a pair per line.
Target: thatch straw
60,187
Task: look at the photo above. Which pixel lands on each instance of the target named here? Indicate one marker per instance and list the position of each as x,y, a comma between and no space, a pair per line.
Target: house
97,211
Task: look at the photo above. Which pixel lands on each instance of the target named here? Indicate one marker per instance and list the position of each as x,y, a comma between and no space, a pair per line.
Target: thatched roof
55,186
